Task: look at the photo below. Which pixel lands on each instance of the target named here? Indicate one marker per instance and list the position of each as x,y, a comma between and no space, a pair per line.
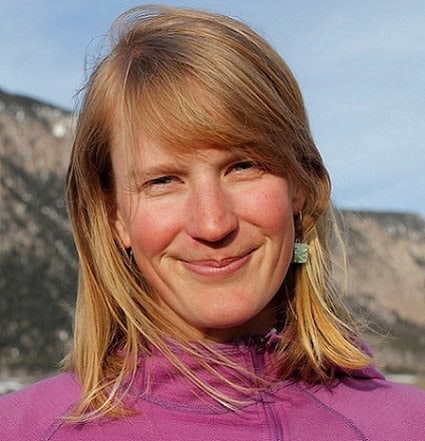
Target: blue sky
360,65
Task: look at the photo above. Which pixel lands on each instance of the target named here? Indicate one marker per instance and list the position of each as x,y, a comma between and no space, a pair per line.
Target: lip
217,268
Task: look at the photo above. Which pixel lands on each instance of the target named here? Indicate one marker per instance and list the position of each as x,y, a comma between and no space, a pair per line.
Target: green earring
300,252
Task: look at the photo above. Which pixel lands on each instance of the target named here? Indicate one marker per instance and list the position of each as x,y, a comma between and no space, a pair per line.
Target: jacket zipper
276,431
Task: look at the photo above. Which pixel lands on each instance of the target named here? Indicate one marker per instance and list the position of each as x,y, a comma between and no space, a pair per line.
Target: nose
211,213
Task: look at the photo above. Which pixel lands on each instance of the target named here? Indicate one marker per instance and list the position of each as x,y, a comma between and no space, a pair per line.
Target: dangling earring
300,253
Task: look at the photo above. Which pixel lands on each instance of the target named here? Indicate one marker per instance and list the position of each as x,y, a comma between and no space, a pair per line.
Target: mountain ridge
39,268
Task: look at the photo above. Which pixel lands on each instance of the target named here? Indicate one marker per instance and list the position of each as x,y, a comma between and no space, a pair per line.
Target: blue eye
163,180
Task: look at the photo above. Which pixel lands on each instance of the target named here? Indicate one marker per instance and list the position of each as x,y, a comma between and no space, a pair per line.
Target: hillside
39,268
37,257
386,284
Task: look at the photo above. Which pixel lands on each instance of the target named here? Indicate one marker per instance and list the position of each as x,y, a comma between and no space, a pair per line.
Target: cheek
152,229
270,208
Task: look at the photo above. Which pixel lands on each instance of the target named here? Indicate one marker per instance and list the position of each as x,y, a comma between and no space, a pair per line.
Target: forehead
133,147
147,155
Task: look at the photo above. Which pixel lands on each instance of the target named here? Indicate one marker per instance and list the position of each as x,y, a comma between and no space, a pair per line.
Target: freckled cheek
152,231
269,209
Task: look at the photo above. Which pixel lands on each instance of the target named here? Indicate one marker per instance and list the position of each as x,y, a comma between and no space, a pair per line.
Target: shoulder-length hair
192,79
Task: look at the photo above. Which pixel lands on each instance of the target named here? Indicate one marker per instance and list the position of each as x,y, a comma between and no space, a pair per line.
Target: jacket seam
201,409
55,425
350,423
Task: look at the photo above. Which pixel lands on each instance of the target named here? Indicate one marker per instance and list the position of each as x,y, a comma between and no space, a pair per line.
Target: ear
120,228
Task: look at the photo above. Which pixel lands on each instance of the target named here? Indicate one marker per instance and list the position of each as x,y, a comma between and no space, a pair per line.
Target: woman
195,189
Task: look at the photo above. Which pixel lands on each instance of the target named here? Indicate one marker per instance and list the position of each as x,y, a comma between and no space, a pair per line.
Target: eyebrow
176,166
161,169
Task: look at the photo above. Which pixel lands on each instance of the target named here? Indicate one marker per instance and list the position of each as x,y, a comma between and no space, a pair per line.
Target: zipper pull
262,343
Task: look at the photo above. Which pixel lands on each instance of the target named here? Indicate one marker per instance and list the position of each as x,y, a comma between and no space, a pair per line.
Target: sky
360,65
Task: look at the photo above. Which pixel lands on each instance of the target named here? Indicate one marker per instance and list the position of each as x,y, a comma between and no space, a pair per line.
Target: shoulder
382,410
31,412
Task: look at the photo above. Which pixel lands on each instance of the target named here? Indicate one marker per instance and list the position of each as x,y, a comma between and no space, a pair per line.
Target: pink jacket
361,405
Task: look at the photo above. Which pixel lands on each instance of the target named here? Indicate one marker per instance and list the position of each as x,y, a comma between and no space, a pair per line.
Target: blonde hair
192,79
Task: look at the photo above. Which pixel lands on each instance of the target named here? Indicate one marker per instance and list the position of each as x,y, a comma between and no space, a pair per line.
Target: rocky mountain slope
386,284
37,258
38,267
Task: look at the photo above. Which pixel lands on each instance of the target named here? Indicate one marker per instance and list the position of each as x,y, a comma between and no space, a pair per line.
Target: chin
228,327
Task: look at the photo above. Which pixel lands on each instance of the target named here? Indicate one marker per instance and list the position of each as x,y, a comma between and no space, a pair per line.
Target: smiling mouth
213,268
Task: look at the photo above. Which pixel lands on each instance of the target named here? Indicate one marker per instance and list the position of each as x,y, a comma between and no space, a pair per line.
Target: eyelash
243,165
240,166
160,181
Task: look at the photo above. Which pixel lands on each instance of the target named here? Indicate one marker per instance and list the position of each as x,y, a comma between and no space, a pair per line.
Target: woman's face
211,232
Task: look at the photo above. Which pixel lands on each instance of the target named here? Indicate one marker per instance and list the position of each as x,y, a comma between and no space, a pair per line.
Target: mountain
39,268
386,284
37,258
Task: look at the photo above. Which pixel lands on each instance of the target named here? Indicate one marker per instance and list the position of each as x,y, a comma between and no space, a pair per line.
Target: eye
160,185
163,180
243,165
247,166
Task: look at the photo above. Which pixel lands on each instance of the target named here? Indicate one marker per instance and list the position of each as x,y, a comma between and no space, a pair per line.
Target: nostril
216,243
215,229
